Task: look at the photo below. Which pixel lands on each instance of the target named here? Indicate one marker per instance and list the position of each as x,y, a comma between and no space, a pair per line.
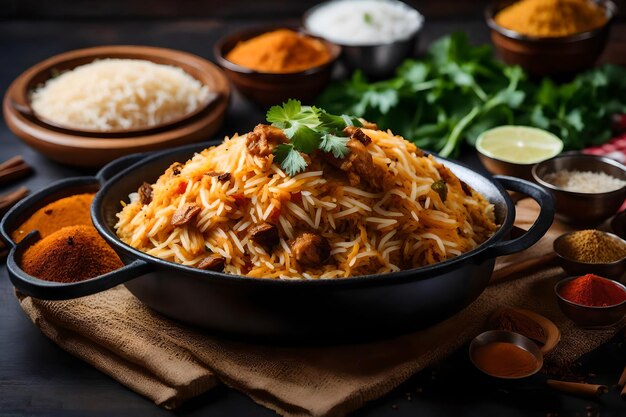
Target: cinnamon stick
11,162
8,200
13,169
578,388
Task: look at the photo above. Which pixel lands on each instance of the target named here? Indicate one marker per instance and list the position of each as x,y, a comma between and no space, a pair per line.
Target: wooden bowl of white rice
89,106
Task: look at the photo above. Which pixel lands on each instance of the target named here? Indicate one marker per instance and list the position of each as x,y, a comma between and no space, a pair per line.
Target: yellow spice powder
551,18
280,51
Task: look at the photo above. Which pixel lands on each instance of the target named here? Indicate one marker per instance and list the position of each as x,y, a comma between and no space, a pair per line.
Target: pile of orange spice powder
280,51
505,360
552,18
70,248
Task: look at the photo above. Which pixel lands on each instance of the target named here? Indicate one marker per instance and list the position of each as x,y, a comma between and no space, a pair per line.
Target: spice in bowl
68,211
584,181
280,51
592,246
70,248
71,254
593,291
591,301
552,18
504,360
504,354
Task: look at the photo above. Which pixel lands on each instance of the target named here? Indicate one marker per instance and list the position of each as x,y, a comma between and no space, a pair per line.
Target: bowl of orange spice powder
271,65
550,37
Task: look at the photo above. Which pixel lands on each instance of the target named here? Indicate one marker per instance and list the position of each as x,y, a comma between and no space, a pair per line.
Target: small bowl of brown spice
591,251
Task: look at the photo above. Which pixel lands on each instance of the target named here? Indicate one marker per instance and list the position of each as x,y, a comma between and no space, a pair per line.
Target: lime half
519,144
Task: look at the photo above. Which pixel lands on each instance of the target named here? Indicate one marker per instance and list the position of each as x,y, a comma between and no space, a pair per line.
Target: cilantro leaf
303,138
281,115
290,160
308,128
337,123
335,144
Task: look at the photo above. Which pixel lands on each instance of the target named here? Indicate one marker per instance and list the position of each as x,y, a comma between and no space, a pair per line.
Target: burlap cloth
170,363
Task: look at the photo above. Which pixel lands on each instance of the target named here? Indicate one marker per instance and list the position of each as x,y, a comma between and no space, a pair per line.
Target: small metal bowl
574,267
586,316
493,336
582,208
375,60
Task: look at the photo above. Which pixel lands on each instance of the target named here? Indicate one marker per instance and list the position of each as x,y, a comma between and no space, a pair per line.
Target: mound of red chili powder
593,291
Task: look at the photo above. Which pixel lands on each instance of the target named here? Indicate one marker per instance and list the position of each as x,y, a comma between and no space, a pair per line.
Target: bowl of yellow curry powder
550,37
269,65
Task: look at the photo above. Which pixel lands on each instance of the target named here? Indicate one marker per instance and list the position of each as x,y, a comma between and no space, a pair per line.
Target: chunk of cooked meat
185,214
466,188
358,134
212,262
176,168
360,167
265,234
145,193
310,249
221,176
447,176
263,139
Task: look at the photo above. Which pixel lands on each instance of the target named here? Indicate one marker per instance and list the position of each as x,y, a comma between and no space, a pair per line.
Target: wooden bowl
86,148
562,56
267,88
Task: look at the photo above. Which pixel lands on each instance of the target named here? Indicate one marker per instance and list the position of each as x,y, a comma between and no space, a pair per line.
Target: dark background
214,9
39,379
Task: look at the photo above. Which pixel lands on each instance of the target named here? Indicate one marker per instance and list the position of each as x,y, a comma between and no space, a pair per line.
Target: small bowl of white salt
588,188
375,35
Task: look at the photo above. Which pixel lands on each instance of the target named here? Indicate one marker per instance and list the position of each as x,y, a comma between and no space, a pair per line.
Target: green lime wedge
519,144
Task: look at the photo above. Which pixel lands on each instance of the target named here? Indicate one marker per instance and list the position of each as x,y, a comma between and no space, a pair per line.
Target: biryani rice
369,232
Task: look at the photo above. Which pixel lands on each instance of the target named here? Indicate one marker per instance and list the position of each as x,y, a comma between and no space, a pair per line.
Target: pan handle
114,167
49,290
541,225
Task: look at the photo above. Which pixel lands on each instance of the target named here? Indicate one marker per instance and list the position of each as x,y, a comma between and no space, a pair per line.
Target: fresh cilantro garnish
368,18
308,129
334,144
291,160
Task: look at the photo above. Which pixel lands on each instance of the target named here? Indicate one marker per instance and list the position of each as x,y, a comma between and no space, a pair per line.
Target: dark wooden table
39,379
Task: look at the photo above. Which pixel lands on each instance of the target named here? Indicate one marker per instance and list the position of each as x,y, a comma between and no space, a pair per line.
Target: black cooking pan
318,311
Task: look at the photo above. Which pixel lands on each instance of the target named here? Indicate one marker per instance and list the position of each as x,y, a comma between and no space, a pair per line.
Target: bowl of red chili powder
591,301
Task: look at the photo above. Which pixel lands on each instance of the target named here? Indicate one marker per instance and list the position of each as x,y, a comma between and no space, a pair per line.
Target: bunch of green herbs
308,129
458,91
